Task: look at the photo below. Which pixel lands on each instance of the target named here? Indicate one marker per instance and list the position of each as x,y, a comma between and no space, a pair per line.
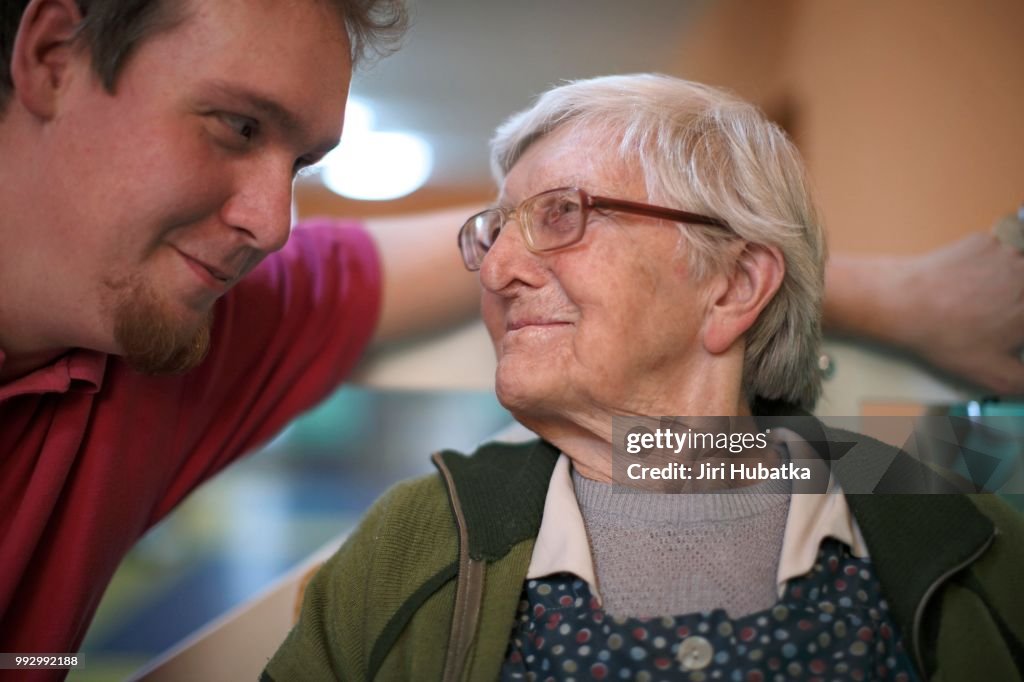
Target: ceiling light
375,165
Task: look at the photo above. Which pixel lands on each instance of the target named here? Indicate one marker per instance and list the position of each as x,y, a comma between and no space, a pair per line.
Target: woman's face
612,323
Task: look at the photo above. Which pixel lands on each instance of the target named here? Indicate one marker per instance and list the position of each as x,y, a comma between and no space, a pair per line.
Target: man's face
171,189
609,323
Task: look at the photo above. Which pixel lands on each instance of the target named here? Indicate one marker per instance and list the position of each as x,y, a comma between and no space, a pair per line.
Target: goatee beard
153,342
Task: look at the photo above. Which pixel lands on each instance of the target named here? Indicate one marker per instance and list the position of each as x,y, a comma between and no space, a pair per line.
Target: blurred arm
426,286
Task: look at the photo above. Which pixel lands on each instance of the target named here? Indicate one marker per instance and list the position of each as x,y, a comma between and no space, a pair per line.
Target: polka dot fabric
831,624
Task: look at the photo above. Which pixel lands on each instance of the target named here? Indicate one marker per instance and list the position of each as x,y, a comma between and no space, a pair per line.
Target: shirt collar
78,370
562,545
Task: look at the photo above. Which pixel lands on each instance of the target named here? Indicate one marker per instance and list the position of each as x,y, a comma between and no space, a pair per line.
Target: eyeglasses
556,219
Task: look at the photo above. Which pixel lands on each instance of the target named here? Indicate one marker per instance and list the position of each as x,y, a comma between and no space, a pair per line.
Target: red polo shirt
92,454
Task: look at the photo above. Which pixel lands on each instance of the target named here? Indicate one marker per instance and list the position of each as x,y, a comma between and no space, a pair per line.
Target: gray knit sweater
671,554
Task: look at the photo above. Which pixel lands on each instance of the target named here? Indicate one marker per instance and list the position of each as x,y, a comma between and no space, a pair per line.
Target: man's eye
243,126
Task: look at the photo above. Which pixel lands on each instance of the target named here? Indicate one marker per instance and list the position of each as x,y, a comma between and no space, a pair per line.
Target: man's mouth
213,275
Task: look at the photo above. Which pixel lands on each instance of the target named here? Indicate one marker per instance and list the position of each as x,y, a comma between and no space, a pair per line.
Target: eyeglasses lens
555,219
550,220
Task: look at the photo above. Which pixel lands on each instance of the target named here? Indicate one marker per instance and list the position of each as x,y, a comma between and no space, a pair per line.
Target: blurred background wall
910,113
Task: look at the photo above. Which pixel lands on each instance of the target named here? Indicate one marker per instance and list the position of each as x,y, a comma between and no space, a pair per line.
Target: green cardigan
427,587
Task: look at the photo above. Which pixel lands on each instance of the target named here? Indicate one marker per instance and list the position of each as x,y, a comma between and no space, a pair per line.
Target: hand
961,308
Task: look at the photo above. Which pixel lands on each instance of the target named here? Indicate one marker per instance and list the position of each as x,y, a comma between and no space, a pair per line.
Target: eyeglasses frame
589,202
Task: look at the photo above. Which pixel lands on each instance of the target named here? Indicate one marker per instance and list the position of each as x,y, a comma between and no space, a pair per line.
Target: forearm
863,297
426,286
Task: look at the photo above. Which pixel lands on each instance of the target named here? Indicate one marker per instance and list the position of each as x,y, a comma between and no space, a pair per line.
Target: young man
147,152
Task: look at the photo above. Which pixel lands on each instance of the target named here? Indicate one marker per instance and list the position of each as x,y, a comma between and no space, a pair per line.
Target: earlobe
42,54
747,288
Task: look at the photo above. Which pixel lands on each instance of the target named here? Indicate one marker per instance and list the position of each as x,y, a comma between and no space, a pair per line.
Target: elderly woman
654,251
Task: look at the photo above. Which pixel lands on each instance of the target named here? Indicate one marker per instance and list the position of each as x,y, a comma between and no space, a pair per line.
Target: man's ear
740,294
42,53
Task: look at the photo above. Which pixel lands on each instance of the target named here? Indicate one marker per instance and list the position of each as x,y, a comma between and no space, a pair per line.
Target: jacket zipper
468,589
930,592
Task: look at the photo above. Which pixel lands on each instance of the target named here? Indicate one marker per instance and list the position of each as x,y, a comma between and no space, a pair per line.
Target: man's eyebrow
276,113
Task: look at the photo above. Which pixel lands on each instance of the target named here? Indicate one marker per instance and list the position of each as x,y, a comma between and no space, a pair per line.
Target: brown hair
111,29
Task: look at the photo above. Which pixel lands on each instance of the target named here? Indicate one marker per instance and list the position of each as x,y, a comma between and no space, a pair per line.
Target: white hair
703,150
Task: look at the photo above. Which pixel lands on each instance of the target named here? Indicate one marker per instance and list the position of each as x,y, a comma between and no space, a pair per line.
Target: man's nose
261,207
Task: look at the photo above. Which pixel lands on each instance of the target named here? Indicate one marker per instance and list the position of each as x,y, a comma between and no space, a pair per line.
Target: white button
695,653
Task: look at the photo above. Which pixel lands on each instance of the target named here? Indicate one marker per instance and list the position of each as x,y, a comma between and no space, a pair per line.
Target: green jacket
428,585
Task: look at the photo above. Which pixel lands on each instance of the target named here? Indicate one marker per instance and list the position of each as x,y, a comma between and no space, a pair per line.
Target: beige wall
910,113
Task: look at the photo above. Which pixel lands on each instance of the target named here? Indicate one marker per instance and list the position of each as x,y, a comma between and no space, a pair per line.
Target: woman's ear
741,294
43,50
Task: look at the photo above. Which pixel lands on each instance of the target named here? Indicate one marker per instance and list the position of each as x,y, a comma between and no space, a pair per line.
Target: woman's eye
567,207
